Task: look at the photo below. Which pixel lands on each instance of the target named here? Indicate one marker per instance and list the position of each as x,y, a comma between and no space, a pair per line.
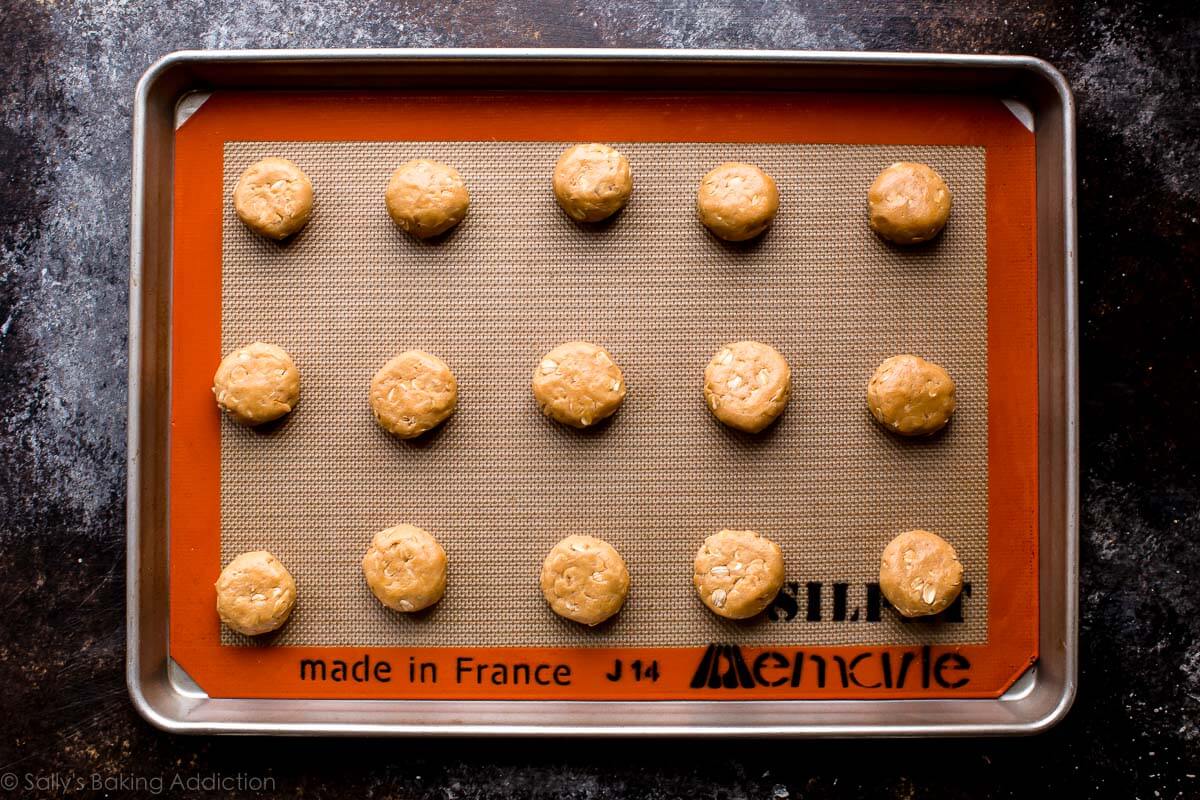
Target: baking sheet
500,484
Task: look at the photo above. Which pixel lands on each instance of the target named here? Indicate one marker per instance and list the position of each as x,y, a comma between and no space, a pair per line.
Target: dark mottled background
67,73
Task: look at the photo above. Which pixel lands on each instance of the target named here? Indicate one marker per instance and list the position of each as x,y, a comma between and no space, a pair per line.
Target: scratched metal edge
1046,693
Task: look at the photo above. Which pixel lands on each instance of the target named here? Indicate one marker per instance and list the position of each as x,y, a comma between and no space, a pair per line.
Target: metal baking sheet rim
160,691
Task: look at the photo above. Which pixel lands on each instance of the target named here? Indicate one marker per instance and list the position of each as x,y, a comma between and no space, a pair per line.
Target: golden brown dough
908,203
255,593
592,182
578,384
426,197
257,383
920,574
747,385
911,396
405,568
412,393
737,201
274,198
738,573
584,579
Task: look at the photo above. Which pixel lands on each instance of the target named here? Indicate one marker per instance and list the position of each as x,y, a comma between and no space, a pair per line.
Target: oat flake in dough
747,385
584,579
413,393
738,573
274,198
405,568
920,573
257,383
578,384
255,593
592,182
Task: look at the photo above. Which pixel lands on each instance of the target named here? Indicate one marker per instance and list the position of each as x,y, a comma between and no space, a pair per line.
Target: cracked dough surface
738,573
255,593
737,201
584,579
920,573
257,383
592,182
908,203
578,384
405,568
426,197
747,385
274,198
911,396
413,393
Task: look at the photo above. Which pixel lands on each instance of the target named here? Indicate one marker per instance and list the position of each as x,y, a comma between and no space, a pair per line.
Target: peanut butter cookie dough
738,573
747,385
911,396
257,383
584,579
413,393
592,182
405,568
255,593
737,201
908,203
578,384
920,573
426,197
274,198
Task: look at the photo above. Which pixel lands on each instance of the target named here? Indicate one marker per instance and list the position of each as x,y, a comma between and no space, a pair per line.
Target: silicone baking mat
499,483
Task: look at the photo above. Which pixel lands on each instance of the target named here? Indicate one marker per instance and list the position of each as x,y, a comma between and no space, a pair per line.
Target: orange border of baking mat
825,672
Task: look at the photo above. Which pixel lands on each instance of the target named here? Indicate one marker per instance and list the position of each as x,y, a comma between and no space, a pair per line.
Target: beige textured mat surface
499,484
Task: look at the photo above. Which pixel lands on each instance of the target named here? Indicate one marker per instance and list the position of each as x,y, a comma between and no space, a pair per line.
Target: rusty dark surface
66,88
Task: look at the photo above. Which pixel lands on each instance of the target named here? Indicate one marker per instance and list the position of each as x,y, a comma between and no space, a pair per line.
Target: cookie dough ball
255,593
738,573
747,385
257,383
737,201
405,568
920,574
426,197
592,182
908,203
584,579
578,384
274,198
911,396
413,393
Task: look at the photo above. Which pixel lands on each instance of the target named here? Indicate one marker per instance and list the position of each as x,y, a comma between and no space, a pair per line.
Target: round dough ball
405,568
737,201
578,384
257,383
738,573
592,182
413,393
255,593
920,573
426,197
908,203
911,396
747,385
274,198
584,579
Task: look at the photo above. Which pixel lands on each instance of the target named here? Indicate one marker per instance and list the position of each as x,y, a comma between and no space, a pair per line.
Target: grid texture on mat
499,483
